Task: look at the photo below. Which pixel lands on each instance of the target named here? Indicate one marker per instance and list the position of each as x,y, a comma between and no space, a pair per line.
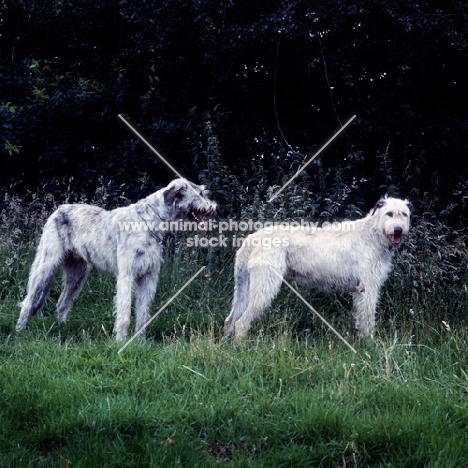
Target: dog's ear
173,192
410,206
377,206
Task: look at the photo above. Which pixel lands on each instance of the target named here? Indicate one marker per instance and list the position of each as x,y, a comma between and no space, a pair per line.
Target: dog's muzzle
397,235
199,215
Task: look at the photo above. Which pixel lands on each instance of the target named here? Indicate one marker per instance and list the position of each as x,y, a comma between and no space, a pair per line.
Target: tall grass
290,395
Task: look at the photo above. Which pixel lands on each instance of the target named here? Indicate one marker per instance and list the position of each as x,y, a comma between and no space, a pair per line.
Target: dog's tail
241,290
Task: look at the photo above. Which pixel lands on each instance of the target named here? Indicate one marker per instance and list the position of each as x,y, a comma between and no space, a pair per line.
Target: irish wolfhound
124,242
354,256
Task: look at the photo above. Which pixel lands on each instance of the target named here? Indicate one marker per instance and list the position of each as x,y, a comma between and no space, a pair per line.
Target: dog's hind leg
264,286
75,272
45,265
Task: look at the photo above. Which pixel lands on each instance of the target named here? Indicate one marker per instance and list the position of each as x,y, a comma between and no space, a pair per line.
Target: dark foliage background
239,93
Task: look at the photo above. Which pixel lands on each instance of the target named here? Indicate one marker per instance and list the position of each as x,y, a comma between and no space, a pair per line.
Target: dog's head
188,200
393,218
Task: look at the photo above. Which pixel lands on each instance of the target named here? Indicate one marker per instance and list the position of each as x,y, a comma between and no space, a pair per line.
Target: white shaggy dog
124,242
354,256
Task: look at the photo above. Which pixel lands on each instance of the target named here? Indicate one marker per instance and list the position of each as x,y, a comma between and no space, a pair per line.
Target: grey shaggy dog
354,257
78,237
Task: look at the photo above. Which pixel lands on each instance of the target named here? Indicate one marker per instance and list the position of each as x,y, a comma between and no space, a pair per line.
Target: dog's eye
405,215
390,213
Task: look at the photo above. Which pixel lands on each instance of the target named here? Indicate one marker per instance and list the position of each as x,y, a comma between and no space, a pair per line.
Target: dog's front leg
123,305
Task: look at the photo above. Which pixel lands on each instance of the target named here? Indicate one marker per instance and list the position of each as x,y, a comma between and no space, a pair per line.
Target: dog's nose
398,231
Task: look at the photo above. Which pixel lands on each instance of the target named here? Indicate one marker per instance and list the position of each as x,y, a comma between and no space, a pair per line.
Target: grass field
191,401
